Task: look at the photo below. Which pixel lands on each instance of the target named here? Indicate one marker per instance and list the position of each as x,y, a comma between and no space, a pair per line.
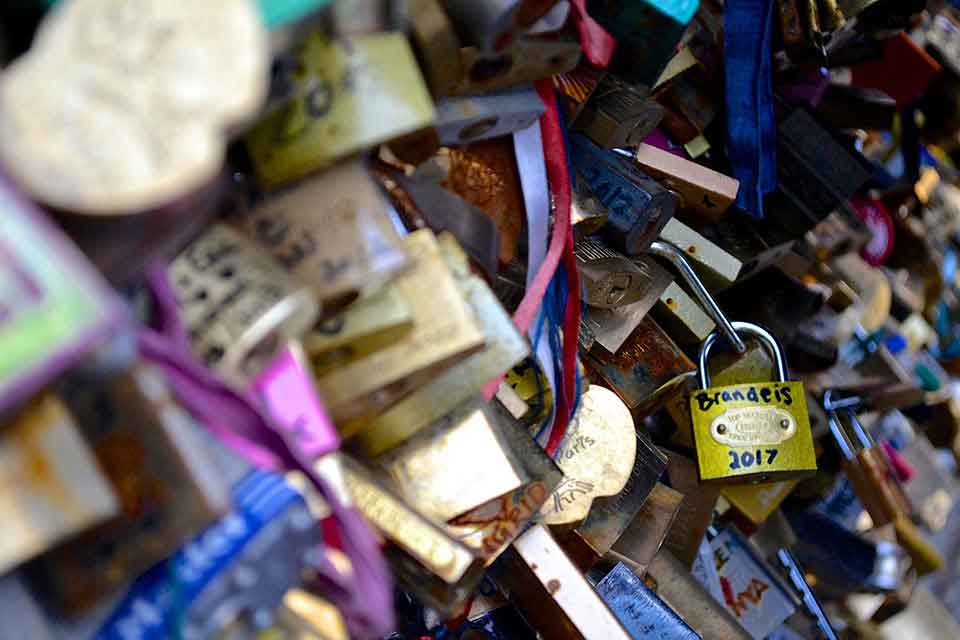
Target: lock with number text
751,432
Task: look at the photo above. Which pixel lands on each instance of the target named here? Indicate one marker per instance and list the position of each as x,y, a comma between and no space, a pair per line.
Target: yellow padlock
752,432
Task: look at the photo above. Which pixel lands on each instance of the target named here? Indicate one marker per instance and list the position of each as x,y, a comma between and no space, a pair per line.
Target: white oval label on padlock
751,426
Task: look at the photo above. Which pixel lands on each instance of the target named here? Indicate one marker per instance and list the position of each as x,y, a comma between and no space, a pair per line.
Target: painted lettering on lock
619,204
748,459
741,602
499,522
706,400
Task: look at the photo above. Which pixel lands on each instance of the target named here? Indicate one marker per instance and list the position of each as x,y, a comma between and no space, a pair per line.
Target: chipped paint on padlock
168,483
48,466
552,592
681,317
676,257
718,268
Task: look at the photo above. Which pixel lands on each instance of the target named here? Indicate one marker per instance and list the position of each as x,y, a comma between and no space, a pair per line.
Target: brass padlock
751,432
681,317
646,533
429,561
325,116
869,472
866,466
695,513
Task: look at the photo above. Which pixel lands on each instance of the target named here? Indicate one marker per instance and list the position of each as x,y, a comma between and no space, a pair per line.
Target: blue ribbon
751,130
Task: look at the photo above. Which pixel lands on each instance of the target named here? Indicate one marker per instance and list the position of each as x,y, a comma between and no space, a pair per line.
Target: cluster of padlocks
479,319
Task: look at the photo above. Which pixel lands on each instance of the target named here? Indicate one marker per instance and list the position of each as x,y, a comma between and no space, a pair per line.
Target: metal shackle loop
765,337
848,406
675,257
832,407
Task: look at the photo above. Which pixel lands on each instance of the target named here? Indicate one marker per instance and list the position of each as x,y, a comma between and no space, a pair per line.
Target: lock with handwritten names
757,431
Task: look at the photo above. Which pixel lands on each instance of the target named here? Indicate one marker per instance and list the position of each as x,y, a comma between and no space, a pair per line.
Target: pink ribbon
365,599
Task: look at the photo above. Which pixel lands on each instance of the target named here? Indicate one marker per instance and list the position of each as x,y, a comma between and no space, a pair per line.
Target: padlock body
752,432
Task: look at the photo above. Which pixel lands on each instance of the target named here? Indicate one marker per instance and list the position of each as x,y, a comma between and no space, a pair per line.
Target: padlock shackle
840,437
848,406
832,403
675,257
765,337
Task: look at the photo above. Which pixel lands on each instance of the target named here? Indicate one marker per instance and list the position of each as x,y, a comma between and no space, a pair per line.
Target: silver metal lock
610,279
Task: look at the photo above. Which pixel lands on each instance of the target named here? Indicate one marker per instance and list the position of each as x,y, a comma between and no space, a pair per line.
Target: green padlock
753,432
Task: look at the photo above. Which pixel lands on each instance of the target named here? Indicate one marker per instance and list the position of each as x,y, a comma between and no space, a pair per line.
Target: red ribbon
598,45
561,246
555,155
